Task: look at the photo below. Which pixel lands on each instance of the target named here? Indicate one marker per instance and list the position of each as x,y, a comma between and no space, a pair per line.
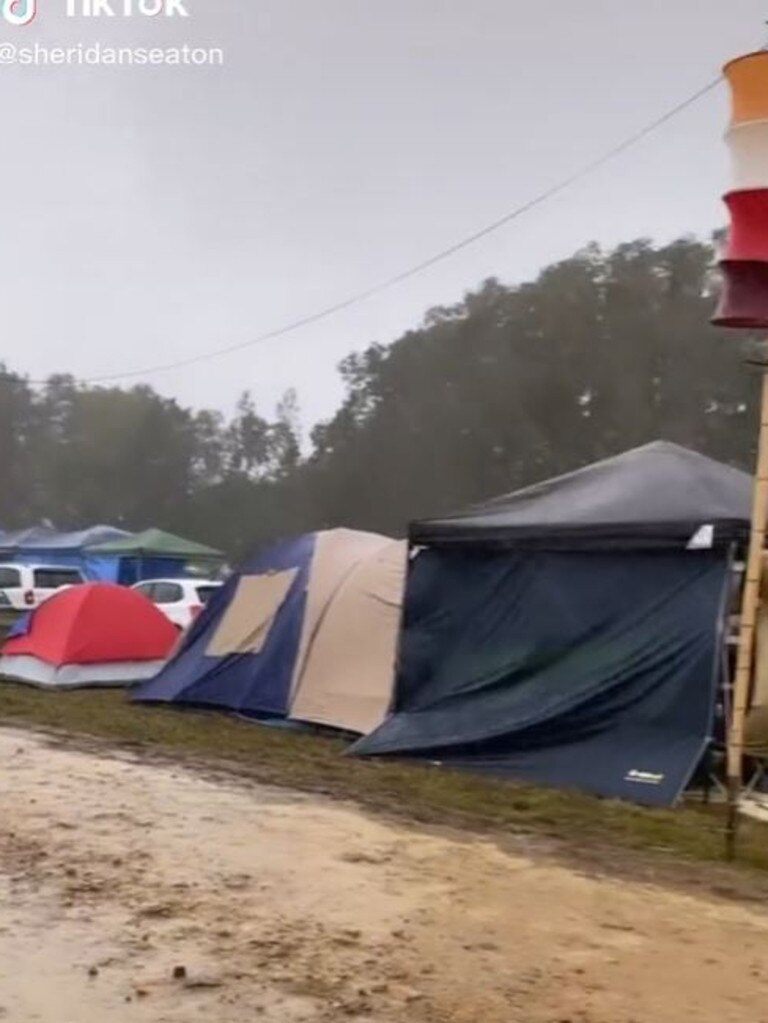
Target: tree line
601,352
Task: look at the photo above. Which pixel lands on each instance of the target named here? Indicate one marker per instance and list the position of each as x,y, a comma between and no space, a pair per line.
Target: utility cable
418,268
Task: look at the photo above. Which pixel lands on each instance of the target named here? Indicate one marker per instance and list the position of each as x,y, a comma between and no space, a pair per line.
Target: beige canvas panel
245,624
349,672
337,552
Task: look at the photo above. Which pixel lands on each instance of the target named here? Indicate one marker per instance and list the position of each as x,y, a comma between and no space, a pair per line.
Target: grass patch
426,794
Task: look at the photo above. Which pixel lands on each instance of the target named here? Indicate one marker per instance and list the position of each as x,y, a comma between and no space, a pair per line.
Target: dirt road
116,875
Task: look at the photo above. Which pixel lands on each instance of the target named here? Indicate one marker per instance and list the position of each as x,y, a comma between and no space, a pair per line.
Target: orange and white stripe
744,301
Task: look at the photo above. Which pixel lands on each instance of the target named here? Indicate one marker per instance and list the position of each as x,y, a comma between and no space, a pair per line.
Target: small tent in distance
305,631
570,633
107,554
154,553
97,634
43,545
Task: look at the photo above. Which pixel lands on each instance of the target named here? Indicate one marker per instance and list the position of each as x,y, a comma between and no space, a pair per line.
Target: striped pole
744,306
744,266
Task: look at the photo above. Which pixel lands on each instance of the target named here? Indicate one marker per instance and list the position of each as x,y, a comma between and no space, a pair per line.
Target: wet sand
138,892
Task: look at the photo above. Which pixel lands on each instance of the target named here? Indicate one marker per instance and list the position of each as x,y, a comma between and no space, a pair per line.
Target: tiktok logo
18,12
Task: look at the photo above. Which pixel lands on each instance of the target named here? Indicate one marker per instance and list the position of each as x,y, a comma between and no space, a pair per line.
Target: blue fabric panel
161,568
251,684
102,569
134,570
591,671
21,626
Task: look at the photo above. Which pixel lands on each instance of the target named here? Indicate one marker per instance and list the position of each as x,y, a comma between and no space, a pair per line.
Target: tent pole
749,606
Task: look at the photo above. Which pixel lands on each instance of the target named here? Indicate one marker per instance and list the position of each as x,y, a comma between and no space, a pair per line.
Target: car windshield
204,593
53,578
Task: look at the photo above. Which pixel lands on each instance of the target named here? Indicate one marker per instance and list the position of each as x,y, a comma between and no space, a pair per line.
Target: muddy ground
143,892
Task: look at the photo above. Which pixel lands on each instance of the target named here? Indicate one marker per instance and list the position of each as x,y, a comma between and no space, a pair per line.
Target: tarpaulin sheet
157,543
582,670
659,495
134,570
42,538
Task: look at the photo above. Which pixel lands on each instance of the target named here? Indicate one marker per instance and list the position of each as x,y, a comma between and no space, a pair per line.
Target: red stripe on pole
748,237
744,297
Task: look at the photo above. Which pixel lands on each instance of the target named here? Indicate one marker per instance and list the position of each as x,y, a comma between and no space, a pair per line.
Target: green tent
154,543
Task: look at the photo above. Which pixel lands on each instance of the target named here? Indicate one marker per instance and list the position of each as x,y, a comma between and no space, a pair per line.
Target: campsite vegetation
601,353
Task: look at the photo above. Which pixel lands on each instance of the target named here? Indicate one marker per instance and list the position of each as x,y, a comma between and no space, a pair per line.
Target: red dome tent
98,634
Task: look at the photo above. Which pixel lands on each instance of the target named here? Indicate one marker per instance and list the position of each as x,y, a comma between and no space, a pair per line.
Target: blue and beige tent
305,631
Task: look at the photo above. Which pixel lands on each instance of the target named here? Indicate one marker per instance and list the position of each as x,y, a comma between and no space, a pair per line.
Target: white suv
180,600
25,587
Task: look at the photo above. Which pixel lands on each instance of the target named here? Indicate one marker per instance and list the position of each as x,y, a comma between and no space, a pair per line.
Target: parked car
180,600
25,587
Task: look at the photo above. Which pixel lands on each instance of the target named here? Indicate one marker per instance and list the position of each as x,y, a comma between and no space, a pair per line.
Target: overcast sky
150,214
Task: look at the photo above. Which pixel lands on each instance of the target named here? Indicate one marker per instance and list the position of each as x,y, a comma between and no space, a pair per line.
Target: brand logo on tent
18,12
644,777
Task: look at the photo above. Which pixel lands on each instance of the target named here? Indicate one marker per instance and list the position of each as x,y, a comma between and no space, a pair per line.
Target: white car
180,600
25,587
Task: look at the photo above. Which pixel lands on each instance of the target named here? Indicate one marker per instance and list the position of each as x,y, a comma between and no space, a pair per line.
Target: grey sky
150,214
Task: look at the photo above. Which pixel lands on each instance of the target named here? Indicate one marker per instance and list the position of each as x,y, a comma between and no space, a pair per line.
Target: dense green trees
602,352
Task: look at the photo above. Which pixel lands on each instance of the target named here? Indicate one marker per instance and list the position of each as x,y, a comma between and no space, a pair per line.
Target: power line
418,268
